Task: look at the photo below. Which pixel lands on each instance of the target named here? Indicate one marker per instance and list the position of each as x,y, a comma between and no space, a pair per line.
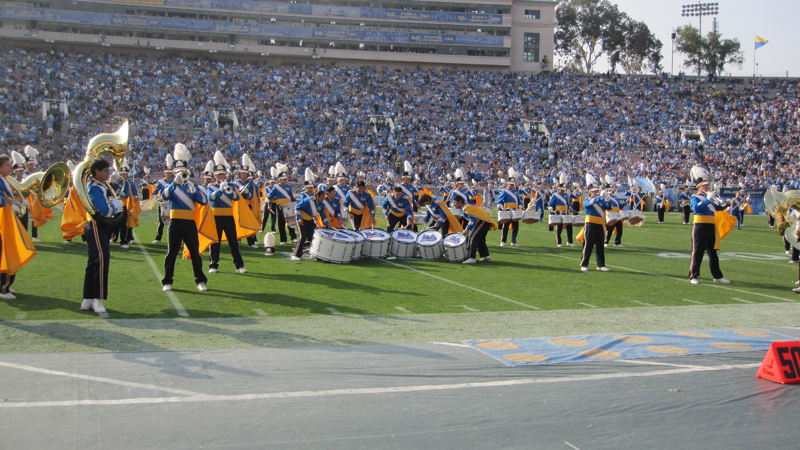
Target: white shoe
254,246
584,269
604,269
722,280
294,241
283,243
68,242
797,289
166,288
36,240
295,258
559,245
570,244
8,296
618,245
694,281
241,270
793,262
788,252
86,305
605,245
156,242
502,244
97,306
486,258
201,287
124,246
514,244
212,270
470,261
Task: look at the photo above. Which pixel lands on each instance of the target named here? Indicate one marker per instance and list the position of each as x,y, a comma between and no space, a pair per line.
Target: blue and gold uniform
125,189
509,198
397,211
436,213
637,200
737,210
222,206
95,283
684,201
158,192
307,212
183,230
660,205
358,205
247,191
281,194
559,204
595,208
704,236
617,228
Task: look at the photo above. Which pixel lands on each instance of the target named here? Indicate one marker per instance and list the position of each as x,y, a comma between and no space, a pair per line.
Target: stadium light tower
699,10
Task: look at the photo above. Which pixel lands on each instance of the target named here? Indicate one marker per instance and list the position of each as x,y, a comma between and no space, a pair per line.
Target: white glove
15,208
114,178
117,205
192,189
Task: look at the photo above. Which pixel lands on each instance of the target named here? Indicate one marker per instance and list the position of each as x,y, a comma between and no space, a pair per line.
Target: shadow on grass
112,341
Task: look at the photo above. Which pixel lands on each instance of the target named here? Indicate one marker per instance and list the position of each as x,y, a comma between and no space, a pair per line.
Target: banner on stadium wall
727,193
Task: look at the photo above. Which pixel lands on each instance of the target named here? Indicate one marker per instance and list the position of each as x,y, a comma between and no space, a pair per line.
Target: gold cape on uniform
74,217
481,214
18,248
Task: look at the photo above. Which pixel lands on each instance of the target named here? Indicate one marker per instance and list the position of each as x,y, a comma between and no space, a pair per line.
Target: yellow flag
723,224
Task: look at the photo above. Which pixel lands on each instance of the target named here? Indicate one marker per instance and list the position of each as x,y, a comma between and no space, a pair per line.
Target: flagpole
754,62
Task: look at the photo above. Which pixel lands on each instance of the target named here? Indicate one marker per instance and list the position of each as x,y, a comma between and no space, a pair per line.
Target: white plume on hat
610,180
71,166
247,162
310,177
146,170
699,172
563,178
340,170
407,167
460,175
389,174
449,177
32,153
182,153
209,167
260,174
474,183
512,172
331,171
527,180
19,160
219,159
281,168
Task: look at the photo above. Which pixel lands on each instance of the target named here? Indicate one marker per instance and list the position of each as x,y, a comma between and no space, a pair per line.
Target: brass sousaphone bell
49,186
785,208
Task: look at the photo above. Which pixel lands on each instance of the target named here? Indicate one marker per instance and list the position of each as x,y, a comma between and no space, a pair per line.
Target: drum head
406,236
429,238
354,234
335,235
455,240
375,234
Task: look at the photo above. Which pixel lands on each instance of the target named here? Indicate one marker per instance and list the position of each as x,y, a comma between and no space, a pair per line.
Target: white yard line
260,312
99,379
586,304
718,286
642,303
376,391
171,295
469,309
741,300
693,301
459,284
653,363
20,316
333,311
571,446
401,309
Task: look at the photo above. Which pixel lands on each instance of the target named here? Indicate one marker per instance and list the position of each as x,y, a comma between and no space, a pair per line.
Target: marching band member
684,200
460,190
637,199
480,223
95,284
308,185
281,194
222,196
359,203
30,167
10,231
509,200
410,192
398,210
475,194
737,208
559,204
330,180
330,213
526,189
488,195
341,187
270,208
661,206
436,212
158,192
182,195
18,171
704,233
307,212
387,187
615,206
247,191
538,197
576,198
127,192
145,185
595,207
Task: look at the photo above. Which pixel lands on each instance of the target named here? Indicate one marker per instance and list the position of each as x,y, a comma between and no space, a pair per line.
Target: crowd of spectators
482,122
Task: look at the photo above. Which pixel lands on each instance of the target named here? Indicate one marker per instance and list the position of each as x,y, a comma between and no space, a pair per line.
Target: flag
760,42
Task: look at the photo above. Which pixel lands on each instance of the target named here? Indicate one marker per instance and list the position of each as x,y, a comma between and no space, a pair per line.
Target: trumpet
182,176
226,188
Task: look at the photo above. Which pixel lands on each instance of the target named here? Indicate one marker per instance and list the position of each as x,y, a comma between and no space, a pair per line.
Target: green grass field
651,270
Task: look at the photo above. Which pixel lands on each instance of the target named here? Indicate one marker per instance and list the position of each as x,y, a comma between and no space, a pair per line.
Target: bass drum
455,247
358,248
430,245
332,246
376,243
403,243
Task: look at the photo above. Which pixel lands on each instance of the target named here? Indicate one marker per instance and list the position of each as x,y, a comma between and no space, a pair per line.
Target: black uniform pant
122,232
306,234
6,280
686,210
506,227
739,218
282,226
795,254
357,218
610,231
24,220
160,232
786,244
593,241
771,220
182,231
525,203
703,240
95,282
392,221
559,228
251,240
661,212
477,240
463,221
267,213
227,225
34,232
444,228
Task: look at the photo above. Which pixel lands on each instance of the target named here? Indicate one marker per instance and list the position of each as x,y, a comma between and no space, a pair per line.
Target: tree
586,30
710,53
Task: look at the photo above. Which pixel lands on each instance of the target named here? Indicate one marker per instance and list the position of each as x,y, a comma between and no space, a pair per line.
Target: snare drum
612,218
332,246
555,219
517,214
578,221
358,247
287,209
430,245
504,216
531,216
163,212
636,217
624,215
403,243
455,247
419,218
376,243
